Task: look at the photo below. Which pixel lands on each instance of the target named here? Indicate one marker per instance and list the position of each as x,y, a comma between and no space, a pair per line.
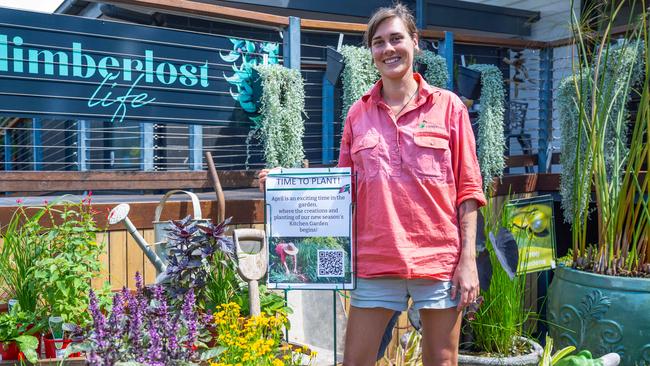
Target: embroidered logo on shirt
430,126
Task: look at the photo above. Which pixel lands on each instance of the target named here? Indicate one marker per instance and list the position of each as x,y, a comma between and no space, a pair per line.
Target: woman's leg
440,336
363,335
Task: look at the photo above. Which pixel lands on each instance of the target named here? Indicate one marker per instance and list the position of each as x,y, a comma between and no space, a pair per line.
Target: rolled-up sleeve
466,169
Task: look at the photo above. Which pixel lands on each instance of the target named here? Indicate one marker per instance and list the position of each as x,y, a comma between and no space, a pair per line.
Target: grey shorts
393,294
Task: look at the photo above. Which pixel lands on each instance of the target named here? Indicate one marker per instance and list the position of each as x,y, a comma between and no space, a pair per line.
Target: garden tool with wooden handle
252,257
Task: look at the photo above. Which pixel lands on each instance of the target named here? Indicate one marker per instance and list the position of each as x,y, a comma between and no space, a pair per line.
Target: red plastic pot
51,346
9,351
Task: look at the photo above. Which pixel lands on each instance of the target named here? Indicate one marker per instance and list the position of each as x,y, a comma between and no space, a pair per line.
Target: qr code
331,263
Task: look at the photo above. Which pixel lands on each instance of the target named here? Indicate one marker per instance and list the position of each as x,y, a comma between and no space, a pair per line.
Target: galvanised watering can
158,255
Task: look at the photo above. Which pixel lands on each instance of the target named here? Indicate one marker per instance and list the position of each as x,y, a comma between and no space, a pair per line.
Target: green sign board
531,222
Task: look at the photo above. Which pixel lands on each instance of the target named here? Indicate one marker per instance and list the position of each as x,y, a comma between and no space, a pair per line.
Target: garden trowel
252,257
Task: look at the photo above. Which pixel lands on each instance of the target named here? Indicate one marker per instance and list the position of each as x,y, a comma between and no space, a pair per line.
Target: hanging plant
573,143
491,143
623,66
280,124
359,75
436,68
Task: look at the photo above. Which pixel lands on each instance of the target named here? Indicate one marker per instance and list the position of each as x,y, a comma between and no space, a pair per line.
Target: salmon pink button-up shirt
412,175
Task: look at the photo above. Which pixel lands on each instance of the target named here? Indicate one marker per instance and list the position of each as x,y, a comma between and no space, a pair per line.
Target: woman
418,189
287,249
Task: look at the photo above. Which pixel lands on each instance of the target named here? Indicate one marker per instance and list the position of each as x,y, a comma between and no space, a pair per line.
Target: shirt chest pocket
432,156
365,154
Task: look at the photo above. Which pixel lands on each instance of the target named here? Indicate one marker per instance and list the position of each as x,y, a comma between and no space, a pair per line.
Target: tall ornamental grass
606,75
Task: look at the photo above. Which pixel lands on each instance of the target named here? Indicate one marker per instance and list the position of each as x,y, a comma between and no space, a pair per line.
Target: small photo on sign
313,260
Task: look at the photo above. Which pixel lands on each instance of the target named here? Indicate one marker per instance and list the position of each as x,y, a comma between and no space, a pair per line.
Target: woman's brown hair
397,11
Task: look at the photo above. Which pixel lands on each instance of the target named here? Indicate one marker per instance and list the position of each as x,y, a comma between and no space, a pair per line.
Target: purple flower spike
155,346
190,318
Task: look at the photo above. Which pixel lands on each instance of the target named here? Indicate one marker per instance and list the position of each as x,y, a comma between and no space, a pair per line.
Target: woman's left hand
465,282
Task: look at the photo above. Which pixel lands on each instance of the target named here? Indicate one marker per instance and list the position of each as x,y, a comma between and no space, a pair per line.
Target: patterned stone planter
601,313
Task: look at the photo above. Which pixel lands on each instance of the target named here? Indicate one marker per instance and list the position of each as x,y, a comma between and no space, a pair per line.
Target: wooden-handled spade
252,256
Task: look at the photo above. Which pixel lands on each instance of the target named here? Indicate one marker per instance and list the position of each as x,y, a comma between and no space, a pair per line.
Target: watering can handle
196,205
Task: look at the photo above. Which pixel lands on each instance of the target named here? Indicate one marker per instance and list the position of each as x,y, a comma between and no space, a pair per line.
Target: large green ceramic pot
601,313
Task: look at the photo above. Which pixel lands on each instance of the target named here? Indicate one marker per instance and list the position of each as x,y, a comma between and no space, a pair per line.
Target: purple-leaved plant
190,249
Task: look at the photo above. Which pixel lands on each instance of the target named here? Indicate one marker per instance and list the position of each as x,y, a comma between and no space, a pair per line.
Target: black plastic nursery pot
469,83
334,65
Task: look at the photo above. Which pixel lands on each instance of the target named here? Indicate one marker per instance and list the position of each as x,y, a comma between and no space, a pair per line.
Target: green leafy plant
436,68
358,76
408,354
71,261
550,360
490,141
222,282
282,105
605,76
17,326
23,246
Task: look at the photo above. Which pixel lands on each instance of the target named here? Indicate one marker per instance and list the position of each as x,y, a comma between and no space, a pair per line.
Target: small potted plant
17,340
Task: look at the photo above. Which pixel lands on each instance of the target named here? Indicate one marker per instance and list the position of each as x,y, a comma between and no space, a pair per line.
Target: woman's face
392,49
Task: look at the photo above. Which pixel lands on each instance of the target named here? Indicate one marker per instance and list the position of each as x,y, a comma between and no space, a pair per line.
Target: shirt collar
425,91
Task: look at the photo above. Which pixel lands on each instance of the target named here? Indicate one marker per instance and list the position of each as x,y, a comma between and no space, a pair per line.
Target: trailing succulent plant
435,72
359,74
191,248
281,126
490,140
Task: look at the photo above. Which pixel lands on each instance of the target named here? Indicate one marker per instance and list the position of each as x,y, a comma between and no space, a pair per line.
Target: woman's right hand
262,178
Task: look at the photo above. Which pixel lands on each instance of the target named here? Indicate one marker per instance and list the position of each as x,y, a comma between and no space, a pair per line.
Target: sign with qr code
309,228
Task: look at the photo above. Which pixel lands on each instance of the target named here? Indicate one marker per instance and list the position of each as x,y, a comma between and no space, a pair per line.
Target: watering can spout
120,214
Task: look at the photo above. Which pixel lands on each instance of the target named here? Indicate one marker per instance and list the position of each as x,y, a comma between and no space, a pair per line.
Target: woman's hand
262,178
465,282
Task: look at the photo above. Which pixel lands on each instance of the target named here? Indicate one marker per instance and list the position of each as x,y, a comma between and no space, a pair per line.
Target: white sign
309,228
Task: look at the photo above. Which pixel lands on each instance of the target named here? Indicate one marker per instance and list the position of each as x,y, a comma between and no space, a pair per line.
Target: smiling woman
418,187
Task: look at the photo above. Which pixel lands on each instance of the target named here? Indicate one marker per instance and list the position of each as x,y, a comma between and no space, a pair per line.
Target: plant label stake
252,257
56,328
